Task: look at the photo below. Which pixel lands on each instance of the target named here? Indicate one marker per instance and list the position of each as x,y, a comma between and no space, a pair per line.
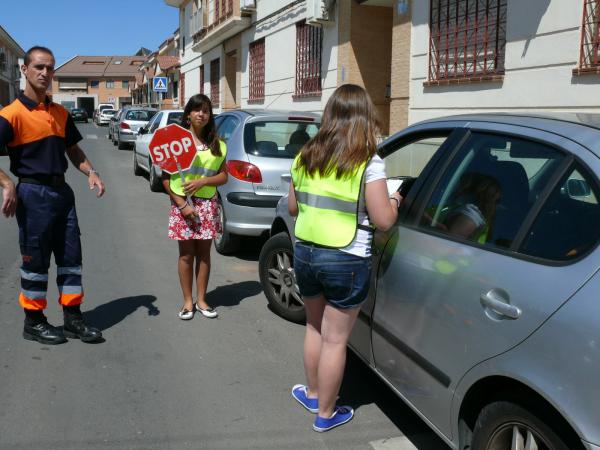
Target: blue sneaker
340,416
299,393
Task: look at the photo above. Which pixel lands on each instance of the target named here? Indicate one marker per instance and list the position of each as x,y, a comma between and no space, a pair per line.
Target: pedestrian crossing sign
159,84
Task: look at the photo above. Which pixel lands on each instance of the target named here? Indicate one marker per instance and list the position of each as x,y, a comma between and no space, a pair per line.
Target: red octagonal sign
171,145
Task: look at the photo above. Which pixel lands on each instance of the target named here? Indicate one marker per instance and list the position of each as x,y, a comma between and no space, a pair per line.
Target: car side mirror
142,130
578,188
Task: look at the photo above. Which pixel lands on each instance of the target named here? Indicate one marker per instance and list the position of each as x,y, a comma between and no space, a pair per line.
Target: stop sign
171,145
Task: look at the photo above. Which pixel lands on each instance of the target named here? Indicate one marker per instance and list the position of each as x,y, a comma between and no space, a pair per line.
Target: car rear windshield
142,115
110,112
75,110
278,139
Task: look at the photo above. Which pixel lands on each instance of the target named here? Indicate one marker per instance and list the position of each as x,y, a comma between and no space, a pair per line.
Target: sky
90,28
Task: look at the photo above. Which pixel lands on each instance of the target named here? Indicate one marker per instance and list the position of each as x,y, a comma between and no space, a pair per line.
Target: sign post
172,149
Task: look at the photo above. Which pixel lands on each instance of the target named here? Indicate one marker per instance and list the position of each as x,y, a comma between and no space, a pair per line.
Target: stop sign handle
189,198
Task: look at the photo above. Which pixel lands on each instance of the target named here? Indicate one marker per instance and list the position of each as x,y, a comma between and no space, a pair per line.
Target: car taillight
244,171
124,126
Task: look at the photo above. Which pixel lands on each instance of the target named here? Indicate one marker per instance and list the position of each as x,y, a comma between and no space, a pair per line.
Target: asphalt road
158,382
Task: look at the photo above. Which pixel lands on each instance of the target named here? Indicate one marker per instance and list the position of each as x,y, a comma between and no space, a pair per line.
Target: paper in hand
393,184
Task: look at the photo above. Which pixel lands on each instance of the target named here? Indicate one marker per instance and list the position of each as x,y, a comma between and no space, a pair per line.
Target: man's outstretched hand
9,200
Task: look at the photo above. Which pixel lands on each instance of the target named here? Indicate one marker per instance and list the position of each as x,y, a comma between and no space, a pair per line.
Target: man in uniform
39,134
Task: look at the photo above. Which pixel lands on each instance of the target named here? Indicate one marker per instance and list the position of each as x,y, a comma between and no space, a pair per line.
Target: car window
227,126
174,117
567,225
140,115
279,139
486,191
408,160
155,123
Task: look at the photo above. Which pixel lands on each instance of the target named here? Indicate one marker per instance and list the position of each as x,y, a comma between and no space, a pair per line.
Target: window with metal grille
309,43
467,40
257,71
589,54
215,74
219,10
202,79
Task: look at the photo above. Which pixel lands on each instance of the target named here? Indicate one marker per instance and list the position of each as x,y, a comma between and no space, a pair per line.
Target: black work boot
43,332
76,328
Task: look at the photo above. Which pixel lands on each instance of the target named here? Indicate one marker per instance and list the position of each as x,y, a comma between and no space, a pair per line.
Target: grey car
129,122
492,338
261,145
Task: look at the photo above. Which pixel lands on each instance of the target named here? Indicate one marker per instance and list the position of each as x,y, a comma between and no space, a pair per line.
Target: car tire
501,423
276,271
225,242
154,179
137,170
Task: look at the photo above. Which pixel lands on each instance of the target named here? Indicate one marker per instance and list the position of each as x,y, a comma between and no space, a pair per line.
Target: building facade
11,58
293,54
504,55
86,81
162,63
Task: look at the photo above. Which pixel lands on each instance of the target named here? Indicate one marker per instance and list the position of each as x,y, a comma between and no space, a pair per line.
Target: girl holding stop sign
195,225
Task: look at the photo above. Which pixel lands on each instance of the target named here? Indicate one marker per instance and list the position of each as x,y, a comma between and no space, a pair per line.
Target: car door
143,140
448,296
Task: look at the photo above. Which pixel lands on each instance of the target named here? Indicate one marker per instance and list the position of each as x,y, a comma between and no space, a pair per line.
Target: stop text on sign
174,148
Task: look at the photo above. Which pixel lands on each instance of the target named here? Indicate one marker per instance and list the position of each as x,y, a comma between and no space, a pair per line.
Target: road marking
397,443
91,136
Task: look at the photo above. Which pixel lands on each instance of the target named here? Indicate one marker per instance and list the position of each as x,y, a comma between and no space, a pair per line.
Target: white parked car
105,116
141,155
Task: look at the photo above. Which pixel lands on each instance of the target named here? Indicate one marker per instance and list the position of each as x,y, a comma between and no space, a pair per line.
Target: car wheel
225,242
137,170
155,181
276,270
504,425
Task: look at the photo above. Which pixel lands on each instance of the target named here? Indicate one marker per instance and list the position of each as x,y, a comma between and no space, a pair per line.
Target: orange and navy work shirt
37,136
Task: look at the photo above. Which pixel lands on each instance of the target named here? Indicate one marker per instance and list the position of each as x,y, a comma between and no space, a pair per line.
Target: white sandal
211,313
185,314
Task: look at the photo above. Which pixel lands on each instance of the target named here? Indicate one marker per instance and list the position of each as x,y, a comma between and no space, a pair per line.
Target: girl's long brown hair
209,132
346,138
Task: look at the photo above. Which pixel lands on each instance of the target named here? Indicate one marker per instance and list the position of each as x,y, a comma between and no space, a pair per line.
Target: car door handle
286,177
497,301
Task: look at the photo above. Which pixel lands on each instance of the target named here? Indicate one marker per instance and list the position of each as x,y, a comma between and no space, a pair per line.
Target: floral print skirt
206,226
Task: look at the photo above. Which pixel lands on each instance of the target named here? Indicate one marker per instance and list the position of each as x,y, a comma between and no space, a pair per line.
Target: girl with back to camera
195,225
338,192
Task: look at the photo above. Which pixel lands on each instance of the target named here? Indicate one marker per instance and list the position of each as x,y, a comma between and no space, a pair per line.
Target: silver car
141,154
261,145
493,337
130,121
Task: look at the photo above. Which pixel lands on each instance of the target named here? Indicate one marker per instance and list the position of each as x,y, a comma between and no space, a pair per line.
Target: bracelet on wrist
91,171
182,207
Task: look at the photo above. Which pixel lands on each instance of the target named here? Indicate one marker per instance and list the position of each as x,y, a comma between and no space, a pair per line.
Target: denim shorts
342,278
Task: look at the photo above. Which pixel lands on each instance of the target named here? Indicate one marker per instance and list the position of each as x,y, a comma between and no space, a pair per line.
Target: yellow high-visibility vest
327,207
205,164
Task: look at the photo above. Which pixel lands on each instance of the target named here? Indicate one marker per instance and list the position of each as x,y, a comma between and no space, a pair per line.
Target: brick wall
400,74
102,92
365,52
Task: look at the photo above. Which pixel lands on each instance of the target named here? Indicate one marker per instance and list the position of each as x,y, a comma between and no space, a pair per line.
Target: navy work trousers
48,225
